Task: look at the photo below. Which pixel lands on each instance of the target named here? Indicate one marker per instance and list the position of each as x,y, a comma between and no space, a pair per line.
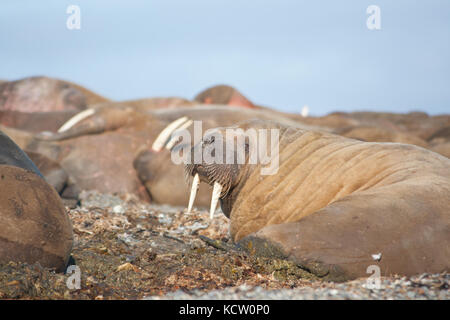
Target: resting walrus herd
344,191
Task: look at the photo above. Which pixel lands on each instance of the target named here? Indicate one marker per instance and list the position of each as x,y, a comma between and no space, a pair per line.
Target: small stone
90,280
67,294
126,267
13,283
334,292
118,209
103,250
130,258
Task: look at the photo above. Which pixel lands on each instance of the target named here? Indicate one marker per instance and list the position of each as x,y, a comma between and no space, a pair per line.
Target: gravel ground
423,287
127,249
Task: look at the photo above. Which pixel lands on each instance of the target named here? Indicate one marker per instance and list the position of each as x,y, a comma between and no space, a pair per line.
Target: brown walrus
336,205
413,128
34,226
418,124
39,94
223,94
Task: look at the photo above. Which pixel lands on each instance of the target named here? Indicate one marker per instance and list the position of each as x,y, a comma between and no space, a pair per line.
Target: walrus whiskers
75,119
165,134
194,189
215,198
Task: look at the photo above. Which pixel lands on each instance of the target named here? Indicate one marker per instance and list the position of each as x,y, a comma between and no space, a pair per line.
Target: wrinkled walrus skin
34,226
335,202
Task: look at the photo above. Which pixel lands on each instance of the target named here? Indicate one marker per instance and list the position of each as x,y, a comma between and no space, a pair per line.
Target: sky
284,54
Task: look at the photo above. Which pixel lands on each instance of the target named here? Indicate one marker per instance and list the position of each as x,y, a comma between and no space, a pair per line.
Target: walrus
34,226
225,95
335,206
40,94
418,124
413,128
100,148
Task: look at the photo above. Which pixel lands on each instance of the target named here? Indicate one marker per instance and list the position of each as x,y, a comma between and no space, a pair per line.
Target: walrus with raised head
336,206
34,226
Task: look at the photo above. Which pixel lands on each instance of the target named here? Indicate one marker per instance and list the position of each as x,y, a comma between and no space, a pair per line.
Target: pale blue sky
283,54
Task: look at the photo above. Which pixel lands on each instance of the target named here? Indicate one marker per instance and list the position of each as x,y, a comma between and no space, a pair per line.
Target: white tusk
194,189
75,119
175,135
305,111
215,198
166,133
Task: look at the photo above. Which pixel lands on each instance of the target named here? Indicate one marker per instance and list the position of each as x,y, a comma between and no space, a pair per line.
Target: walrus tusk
160,141
174,139
75,119
194,189
215,198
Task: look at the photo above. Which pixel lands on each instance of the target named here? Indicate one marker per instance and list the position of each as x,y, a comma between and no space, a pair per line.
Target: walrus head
224,177
226,159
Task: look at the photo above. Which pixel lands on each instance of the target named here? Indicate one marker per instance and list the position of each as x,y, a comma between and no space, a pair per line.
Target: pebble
118,209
